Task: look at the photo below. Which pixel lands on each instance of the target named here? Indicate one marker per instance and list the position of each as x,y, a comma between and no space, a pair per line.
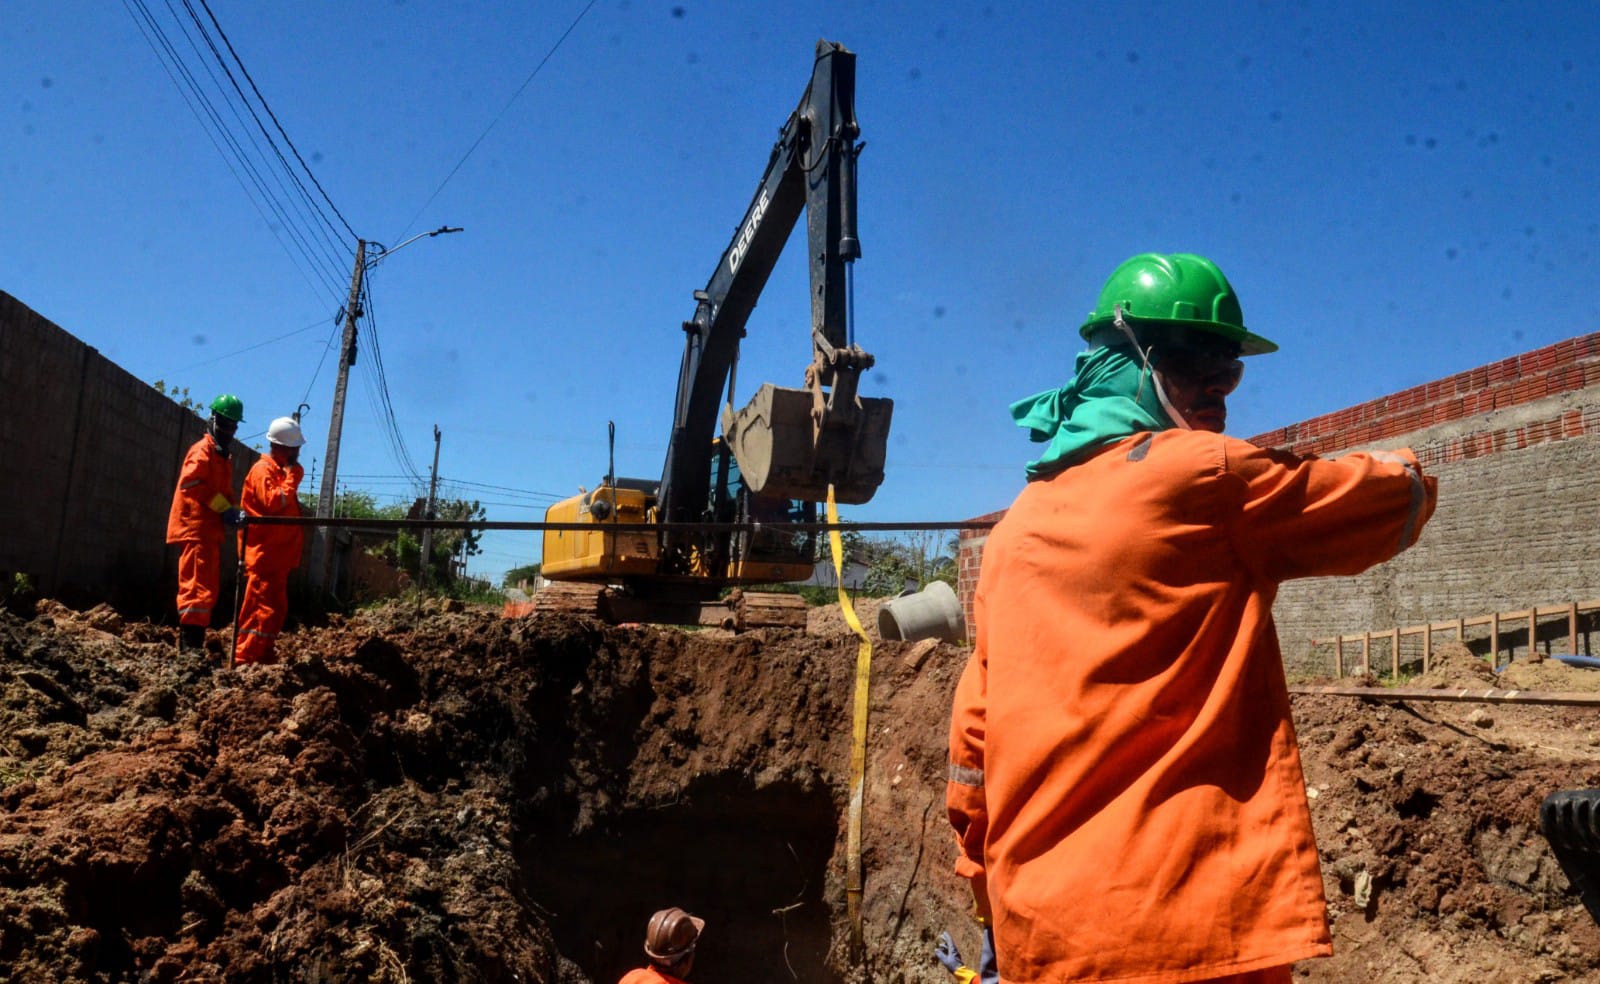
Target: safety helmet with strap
672,935
1153,292
285,431
229,406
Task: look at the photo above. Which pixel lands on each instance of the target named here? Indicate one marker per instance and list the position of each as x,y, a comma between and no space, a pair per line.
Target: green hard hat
1177,290
230,406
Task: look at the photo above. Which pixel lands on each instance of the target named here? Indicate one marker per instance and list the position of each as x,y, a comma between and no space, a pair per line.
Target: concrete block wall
91,456
1515,446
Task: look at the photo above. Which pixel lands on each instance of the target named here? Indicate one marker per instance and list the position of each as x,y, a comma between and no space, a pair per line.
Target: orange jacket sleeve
272,490
204,492
1311,517
964,791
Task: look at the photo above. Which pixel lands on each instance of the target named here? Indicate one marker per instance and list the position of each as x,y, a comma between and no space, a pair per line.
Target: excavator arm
778,456
788,443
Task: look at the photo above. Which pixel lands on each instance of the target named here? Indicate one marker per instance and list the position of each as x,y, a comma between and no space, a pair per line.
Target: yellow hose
858,747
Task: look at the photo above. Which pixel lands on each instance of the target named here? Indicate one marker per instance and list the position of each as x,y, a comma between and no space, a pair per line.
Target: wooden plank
1366,654
1533,636
1338,656
1460,634
1459,696
1394,653
1427,649
1572,628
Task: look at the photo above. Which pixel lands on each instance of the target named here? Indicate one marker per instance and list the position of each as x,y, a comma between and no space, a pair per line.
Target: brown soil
436,796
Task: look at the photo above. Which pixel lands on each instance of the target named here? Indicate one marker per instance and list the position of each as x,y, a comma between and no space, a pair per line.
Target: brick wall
1516,448
90,459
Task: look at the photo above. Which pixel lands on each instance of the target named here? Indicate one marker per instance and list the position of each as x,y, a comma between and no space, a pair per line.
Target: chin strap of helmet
1144,353
1146,370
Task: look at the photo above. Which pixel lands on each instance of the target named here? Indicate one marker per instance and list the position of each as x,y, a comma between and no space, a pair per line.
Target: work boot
192,637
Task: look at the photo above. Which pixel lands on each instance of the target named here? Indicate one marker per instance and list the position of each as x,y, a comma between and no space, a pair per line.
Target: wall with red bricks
1515,446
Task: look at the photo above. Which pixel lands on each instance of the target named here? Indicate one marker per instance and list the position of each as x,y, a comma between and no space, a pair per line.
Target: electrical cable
275,122
298,194
233,156
496,120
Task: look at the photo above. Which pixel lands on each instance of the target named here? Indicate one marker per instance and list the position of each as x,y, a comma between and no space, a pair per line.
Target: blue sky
1396,192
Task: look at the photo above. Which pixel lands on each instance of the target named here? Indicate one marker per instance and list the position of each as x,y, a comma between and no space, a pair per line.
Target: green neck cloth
1102,404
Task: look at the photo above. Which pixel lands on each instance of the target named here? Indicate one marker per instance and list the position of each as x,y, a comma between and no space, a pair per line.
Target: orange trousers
266,605
199,573
1271,975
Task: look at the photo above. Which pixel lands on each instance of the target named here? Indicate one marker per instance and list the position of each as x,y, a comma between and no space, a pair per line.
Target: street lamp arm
384,253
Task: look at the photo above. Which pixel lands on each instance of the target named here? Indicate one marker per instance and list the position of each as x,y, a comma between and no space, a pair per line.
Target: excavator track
1570,820
738,611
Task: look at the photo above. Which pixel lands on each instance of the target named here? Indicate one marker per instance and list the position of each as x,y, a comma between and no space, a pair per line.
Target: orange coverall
649,975
270,554
204,493
1123,767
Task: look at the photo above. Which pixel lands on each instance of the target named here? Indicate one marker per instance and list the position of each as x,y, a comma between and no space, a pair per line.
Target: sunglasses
1201,365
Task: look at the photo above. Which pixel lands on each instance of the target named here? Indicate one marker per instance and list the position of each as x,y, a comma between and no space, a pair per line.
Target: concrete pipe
932,613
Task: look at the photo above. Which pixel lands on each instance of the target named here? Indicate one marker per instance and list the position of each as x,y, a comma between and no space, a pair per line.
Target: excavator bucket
781,453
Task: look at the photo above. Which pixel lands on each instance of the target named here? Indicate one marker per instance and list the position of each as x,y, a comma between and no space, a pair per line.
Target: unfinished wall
91,456
1515,446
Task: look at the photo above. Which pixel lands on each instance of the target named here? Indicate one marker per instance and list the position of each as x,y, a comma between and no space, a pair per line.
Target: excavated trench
752,862
427,795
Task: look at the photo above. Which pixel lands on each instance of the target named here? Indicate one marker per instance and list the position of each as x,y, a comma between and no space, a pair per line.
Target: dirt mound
460,797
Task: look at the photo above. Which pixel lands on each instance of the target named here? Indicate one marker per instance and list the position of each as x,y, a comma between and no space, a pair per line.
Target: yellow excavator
776,457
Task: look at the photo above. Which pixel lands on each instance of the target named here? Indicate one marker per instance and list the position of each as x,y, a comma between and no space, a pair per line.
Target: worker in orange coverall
669,942
271,553
202,506
1125,785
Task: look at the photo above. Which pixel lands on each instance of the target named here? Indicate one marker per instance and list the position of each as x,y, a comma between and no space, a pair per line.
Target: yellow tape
858,747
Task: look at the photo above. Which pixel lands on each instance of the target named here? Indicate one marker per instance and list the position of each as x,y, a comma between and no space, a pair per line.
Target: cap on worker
1176,290
285,432
672,933
229,406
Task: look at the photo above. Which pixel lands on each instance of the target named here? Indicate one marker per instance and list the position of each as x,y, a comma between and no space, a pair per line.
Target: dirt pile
422,795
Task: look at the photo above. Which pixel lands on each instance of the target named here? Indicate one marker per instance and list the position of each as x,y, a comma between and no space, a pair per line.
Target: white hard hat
284,431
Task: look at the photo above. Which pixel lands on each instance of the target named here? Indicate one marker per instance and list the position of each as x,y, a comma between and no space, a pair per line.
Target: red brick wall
1565,367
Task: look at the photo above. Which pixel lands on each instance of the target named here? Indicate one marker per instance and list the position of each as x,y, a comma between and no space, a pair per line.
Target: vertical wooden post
1427,647
1461,629
1494,640
1338,655
1394,652
1366,653
1533,636
1572,626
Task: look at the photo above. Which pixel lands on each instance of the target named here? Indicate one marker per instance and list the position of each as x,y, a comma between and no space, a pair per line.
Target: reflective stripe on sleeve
966,776
1419,493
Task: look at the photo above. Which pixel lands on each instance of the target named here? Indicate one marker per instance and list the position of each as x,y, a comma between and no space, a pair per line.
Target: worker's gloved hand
233,518
947,954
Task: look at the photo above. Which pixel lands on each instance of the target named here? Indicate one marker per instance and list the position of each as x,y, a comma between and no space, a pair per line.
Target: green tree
181,397
516,575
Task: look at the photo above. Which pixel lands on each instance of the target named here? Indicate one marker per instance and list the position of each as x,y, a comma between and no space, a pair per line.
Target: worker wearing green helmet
203,504
1124,782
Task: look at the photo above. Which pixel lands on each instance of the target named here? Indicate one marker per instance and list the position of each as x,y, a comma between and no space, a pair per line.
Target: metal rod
485,524
1459,696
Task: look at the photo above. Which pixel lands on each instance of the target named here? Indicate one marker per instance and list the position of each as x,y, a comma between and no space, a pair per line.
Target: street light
347,358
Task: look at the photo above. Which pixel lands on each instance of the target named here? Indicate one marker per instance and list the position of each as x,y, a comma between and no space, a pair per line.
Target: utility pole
320,547
427,532
321,544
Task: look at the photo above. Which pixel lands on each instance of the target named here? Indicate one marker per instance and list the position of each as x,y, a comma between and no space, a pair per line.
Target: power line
275,122
251,348
496,120
225,142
